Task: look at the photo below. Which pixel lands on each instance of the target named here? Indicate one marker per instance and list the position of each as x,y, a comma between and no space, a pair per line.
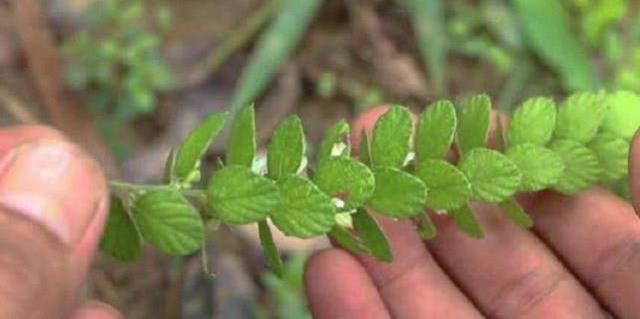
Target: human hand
582,260
53,205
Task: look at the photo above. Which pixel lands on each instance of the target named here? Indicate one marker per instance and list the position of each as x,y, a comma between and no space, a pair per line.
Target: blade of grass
272,48
428,22
547,29
233,41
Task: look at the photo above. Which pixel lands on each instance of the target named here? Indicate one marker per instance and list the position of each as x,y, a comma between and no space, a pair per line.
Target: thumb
53,203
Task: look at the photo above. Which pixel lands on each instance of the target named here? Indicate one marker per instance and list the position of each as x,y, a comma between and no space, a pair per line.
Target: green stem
119,187
199,196
124,186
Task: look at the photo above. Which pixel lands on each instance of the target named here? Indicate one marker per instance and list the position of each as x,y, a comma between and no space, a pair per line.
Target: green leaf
287,148
241,148
582,168
391,136
448,186
613,154
466,221
397,194
598,17
239,196
372,235
515,212
346,179
533,122
622,117
269,247
336,138
473,129
305,211
580,116
365,148
168,221
540,166
435,131
196,144
348,240
169,165
426,229
121,238
546,26
493,176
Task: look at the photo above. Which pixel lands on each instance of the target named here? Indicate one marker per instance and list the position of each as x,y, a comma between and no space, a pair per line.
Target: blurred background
127,79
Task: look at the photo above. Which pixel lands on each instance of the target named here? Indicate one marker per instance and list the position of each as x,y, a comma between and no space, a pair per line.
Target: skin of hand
581,260
53,205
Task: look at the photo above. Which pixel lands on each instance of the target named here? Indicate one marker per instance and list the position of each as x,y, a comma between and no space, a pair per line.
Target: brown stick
65,112
15,107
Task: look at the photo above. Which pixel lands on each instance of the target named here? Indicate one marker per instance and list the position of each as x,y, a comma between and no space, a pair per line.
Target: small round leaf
168,221
397,194
239,196
540,166
345,178
305,211
435,130
287,148
580,116
196,144
372,235
121,238
613,155
582,168
391,135
622,117
448,187
241,147
533,122
475,120
493,176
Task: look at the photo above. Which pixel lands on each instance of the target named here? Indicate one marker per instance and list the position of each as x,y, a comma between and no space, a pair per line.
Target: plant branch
16,108
119,187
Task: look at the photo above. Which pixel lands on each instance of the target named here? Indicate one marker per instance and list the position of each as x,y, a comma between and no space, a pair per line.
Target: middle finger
510,273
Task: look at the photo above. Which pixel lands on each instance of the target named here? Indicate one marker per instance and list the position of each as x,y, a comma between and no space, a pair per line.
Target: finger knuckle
623,253
525,291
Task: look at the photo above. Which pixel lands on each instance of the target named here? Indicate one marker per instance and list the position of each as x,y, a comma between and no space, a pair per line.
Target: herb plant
401,172
121,68
272,48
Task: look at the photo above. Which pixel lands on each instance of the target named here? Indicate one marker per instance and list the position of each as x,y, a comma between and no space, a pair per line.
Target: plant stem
199,195
124,186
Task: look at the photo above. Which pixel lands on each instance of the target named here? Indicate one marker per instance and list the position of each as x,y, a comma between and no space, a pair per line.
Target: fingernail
53,184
